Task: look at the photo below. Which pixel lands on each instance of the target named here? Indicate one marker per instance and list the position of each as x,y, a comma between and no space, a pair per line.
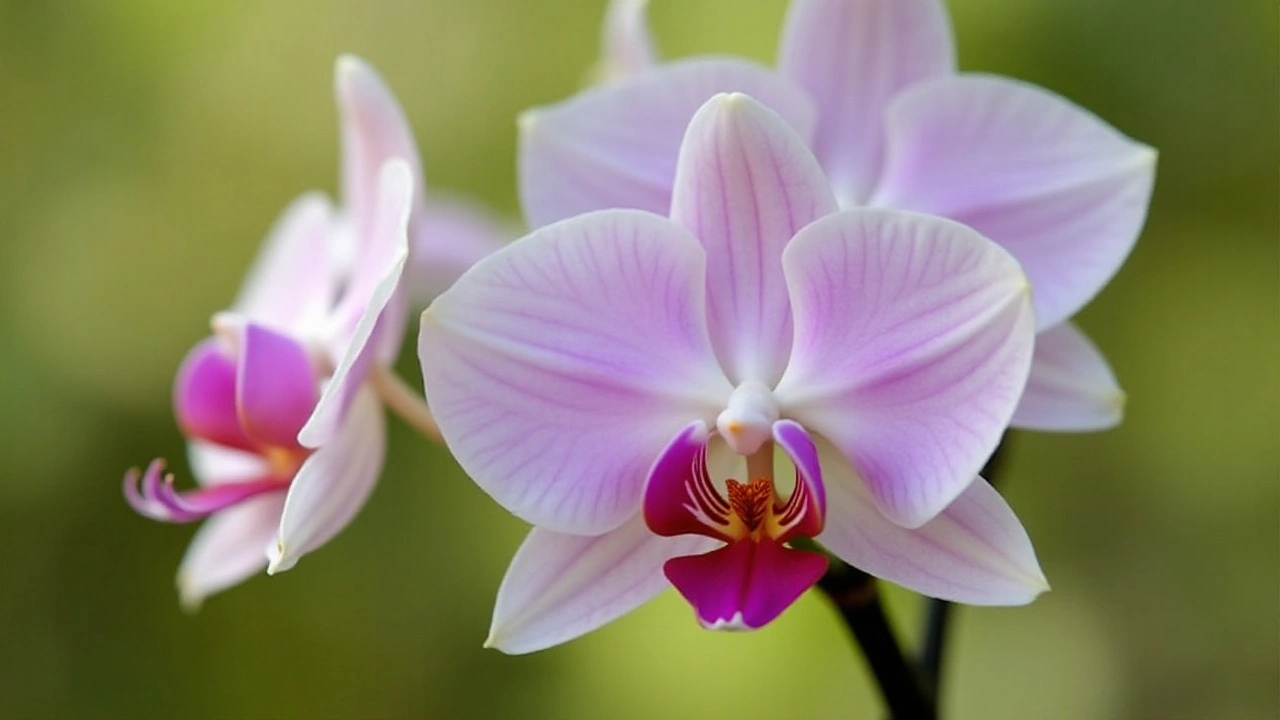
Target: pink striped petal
375,314
1059,188
332,485
276,387
913,342
854,56
745,184
1071,388
292,282
615,146
745,584
228,549
975,551
680,498
560,587
560,366
204,396
806,509
626,44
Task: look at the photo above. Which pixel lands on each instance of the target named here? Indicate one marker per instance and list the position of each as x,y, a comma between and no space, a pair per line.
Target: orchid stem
855,595
405,402
939,612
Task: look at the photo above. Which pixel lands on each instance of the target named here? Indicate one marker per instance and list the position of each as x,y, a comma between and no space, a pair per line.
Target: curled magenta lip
152,494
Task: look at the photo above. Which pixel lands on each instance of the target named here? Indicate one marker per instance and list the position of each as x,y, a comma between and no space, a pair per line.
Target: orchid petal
913,341
745,584
291,283
975,551
1055,185
227,549
745,184
379,313
214,464
204,396
627,46
374,130
275,387
332,485
560,366
560,587
853,56
454,235
615,146
1071,387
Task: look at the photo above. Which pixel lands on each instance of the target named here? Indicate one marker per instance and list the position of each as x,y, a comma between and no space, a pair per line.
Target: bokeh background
146,146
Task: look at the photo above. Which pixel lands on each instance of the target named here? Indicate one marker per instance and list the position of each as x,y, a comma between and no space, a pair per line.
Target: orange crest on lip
751,501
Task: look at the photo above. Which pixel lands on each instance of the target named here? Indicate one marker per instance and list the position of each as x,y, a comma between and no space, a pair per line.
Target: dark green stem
939,612
855,596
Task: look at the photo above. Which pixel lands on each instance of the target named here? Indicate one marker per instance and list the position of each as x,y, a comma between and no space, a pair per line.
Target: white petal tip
528,121
348,67
733,624
189,598
279,559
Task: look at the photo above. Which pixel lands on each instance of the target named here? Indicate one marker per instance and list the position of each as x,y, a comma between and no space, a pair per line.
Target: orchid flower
283,404
628,383
872,85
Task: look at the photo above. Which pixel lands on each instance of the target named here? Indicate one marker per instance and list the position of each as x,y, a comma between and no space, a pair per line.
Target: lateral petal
626,44
560,587
745,183
1071,387
454,235
615,145
854,56
370,320
374,130
332,485
227,549
292,282
913,342
560,366
975,551
1063,191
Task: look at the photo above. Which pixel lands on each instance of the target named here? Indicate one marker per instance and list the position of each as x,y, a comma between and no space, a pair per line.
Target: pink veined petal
374,130
378,312
745,584
214,464
332,485
275,386
1055,185
745,183
560,587
204,396
1071,387
227,549
454,235
615,145
292,282
913,342
626,44
854,56
975,551
560,366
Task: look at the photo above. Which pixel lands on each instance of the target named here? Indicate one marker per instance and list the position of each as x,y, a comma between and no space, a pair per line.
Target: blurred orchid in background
283,405
608,376
872,86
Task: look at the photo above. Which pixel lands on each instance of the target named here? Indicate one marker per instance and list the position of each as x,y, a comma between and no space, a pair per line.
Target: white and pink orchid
628,383
283,404
872,86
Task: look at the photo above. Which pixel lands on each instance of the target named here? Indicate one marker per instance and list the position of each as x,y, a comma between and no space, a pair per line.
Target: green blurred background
145,147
